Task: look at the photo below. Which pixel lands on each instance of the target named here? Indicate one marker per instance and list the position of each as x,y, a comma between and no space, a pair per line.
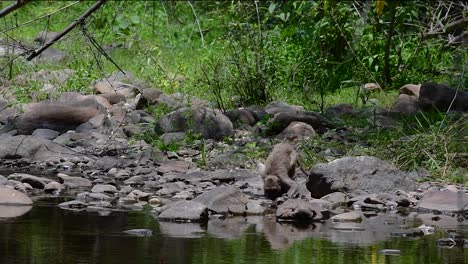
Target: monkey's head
272,187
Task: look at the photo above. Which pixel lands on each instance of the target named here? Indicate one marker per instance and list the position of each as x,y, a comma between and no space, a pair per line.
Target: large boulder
442,98
241,117
34,181
282,120
298,209
357,174
207,122
58,116
444,201
282,107
73,182
184,211
13,197
297,131
406,104
37,149
224,200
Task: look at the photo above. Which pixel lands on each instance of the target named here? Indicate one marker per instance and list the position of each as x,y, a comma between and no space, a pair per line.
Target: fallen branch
459,24
7,10
88,12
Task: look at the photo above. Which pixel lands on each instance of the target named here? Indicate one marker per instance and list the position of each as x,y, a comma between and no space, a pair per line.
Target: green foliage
234,53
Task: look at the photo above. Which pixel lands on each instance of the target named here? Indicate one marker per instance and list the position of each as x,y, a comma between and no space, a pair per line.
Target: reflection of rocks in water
282,235
185,230
370,231
231,228
442,221
8,211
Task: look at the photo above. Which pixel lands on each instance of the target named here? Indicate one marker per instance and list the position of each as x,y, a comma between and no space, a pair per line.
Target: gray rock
444,201
442,98
186,211
73,182
177,166
135,180
94,196
281,121
139,232
56,116
174,137
10,211
207,122
45,133
255,207
405,104
362,173
347,217
13,197
297,131
74,204
3,180
53,187
336,198
298,210
339,109
241,117
138,195
37,149
224,200
282,107
34,181
104,188
184,195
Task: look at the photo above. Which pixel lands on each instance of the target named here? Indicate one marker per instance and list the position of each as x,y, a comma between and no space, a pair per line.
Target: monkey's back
281,160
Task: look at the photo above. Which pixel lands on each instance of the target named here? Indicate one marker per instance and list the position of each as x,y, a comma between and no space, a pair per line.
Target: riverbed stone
135,180
297,131
444,201
207,122
185,211
74,204
138,195
13,197
177,166
104,188
45,133
36,149
224,200
139,232
352,216
357,174
298,210
53,187
34,181
73,182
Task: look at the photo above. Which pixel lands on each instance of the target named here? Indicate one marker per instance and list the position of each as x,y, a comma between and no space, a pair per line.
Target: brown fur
279,170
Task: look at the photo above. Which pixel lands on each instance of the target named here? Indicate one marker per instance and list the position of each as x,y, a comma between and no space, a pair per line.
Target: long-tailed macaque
278,172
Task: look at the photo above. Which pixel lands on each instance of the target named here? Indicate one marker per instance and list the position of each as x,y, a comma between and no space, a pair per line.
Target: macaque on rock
278,172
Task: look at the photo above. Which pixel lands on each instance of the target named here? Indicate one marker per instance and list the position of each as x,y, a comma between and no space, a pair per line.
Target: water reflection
9,211
47,234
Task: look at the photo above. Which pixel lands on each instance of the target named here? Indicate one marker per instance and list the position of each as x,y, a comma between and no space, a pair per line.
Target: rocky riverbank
87,147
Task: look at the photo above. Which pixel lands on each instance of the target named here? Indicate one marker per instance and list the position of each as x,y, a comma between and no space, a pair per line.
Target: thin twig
198,22
40,17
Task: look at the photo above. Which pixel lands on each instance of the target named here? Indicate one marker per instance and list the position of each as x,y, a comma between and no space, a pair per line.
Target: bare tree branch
7,10
66,30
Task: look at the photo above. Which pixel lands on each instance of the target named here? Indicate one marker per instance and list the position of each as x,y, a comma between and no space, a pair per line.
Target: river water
48,234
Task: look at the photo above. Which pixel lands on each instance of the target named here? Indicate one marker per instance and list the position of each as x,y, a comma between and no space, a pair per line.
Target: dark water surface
47,234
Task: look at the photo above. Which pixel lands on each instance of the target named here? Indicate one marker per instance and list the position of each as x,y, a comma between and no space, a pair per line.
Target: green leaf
271,8
135,19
